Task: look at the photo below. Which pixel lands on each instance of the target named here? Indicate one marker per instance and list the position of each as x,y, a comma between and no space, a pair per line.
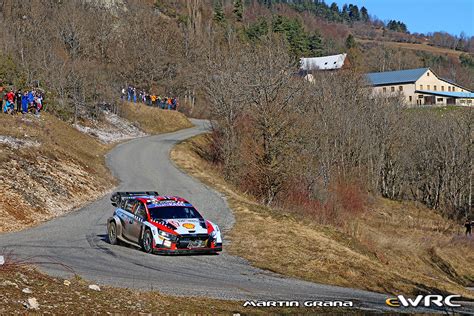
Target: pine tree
345,13
238,9
354,12
364,14
218,12
350,42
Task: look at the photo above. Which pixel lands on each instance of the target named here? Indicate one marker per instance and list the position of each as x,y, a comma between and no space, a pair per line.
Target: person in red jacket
10,96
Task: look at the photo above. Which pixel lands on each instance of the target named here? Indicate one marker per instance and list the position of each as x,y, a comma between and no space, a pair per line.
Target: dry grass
414,46
57,297
153,120
37,183
392,247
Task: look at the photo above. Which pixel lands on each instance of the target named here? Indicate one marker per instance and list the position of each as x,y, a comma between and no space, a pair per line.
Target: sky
422,16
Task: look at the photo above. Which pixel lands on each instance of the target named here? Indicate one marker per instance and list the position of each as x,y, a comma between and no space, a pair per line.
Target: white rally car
161,224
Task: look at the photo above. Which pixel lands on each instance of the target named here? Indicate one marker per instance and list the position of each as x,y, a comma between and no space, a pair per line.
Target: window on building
463,101
428,73
434,88
384,89
442,88
440,99
421,87
428,87
449,88
400,88
469,101
392,89
410,98
454,89
420,96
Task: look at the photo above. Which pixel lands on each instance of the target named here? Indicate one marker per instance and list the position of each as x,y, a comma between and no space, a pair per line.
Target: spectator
468,225
9,107
24,102
31,99
18,96
2,95
10,96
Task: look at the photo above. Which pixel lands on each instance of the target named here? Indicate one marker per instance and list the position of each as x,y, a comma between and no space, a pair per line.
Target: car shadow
105,238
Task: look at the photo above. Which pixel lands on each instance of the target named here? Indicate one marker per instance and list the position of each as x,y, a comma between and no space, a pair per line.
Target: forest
320,148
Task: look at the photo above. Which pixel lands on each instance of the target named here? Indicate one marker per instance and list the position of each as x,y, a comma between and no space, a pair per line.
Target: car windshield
173,212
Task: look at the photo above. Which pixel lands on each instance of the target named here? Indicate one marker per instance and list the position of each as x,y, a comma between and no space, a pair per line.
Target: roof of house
323,63
467,95
399,76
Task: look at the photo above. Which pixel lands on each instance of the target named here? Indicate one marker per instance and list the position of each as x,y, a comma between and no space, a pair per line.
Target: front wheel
112,233
147,241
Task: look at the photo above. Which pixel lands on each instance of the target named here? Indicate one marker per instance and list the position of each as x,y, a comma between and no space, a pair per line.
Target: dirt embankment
49,167
393,247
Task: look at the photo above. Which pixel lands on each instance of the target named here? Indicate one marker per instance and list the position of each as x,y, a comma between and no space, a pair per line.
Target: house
333,62
420,86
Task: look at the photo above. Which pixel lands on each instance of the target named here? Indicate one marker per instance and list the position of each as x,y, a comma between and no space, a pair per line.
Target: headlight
167,235
213,234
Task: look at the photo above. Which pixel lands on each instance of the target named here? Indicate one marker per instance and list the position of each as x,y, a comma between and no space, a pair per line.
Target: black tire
112,233
147,241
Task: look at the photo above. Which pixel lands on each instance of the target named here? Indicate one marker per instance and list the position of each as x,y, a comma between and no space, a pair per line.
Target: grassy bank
49,167
153,120
393,247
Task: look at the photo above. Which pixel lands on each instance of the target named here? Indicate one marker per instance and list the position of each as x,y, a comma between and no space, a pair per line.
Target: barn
420,87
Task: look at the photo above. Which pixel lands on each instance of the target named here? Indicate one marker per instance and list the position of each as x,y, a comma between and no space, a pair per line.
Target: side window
140,211
128,205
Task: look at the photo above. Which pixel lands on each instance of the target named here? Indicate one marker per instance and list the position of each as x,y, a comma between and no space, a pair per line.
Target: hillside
415,46
391,247
50,167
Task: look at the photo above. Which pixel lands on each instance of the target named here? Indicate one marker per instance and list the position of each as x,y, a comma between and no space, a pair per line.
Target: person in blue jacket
31,99
24,102
9,107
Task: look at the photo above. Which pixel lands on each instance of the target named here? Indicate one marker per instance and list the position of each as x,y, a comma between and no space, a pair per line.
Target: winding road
78,240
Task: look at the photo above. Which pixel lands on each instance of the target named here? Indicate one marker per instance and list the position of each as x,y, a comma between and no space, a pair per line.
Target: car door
135,228
128,218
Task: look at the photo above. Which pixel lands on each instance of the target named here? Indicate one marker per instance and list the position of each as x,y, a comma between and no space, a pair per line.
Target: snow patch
18,142
117,129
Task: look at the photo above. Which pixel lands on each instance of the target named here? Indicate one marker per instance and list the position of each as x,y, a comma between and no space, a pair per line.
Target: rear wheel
147,241
112,233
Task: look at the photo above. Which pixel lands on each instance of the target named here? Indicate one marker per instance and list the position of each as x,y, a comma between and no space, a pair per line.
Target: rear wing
118,197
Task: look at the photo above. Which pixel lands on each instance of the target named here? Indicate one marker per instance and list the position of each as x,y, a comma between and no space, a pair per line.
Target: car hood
185,226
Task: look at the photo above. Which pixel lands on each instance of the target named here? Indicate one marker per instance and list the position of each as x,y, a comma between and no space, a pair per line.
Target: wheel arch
118,224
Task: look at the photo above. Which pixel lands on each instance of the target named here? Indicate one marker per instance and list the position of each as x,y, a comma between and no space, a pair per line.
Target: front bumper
181,251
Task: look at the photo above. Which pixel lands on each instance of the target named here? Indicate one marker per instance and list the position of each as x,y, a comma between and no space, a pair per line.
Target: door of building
430,100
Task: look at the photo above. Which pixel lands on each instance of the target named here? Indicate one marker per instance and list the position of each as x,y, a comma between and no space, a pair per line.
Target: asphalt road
78,240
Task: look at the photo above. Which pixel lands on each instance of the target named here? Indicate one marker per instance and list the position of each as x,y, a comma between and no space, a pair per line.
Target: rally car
161,224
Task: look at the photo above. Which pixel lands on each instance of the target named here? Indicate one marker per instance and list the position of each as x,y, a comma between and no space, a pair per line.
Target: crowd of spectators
18,101
135,95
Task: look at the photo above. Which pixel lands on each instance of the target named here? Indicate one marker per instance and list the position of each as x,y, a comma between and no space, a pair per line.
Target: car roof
157,201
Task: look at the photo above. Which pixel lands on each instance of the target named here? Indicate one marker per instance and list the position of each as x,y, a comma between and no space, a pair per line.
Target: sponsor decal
423,300
312,303
174,223
189,226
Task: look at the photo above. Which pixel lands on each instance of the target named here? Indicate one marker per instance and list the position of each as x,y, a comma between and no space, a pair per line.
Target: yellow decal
188,225
392,302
